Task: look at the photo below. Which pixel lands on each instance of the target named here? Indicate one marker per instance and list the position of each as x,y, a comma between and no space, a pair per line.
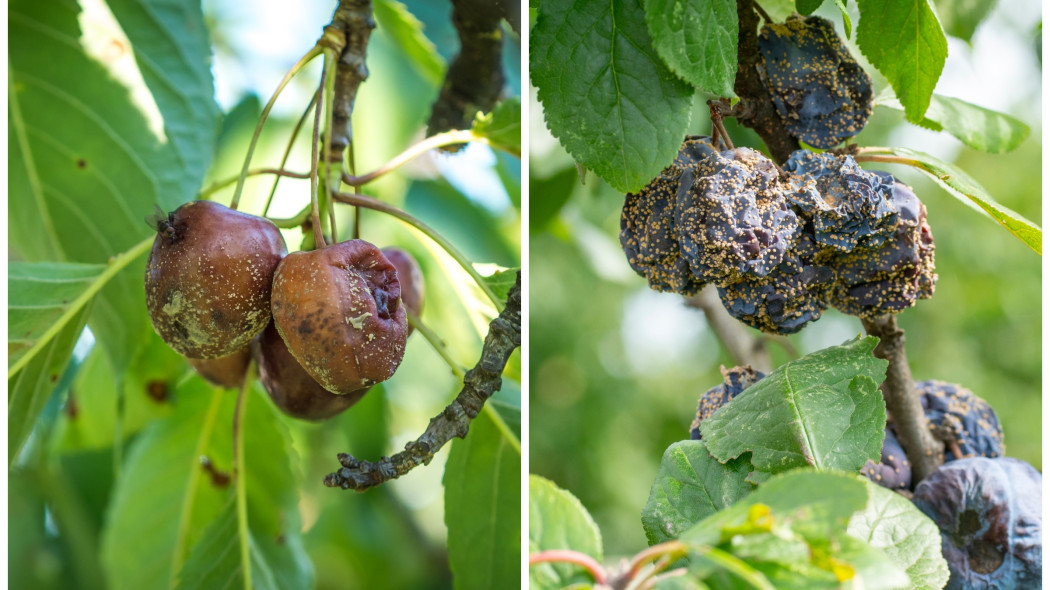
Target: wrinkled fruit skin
208,281
850,206
734,381
820,92
410,277
226,371
970,422
648,230
291,388
893,470
990,516
339,311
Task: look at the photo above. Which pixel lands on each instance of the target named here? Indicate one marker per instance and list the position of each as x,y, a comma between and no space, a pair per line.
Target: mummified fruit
410,277
208,278
339,311
291,388
226,371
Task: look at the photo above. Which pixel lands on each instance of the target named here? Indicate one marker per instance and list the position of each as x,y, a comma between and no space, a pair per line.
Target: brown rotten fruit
339,311
208,278
291,388
226,371
410,277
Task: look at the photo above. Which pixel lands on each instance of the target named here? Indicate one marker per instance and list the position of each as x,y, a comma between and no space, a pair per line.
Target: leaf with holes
607,96
116,116
823,410
483,505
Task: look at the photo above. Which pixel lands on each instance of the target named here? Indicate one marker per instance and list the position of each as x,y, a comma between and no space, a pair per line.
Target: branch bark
756,109
349,32
741,345
478,386
924,452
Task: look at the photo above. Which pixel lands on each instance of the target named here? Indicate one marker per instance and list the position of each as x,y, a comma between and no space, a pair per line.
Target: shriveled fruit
734,382
208,278
893,470
410,277
226,371
339,311
291,388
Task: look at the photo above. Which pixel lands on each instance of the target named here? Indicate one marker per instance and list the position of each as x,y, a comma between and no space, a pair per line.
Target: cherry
291,388
410,276
225,371
208,278
339,311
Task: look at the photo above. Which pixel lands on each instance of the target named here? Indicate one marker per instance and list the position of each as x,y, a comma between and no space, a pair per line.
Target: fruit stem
330,56
734,336
672,549
902,400
437,343
299,65
218,185
315,214
294,221
238,474
479,384
377,205
569,556
416,150
288,150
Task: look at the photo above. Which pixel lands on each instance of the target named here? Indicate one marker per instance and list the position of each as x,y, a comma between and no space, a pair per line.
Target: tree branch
741,345
478,386
475,78
349,32
756,109
902,400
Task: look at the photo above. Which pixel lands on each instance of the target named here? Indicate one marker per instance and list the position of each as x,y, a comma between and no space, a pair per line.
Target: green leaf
690,486
907,536
47,307
960,18
978,127
904,41
557,520
606,95
966,189
547,196
507,403
697,40
104,126
806,7
501,281
406,31
166,499
483,506
501,127
846,21
822,410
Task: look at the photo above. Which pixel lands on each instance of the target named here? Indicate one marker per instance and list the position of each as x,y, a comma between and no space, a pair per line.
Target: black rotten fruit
208,278
339,311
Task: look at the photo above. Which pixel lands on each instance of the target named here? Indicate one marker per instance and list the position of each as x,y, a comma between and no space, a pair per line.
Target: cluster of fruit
986,505
324,326
781,245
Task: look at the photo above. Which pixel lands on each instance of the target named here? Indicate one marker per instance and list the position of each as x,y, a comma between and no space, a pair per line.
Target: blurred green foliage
616,369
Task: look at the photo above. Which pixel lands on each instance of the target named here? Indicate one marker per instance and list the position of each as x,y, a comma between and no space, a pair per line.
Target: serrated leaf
404,28
822,410
960,18
166,499
104,126
907,536
606,95
904,41
959,184
47,308
557,520
483,506
978,127
697,40
690,486
501,127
